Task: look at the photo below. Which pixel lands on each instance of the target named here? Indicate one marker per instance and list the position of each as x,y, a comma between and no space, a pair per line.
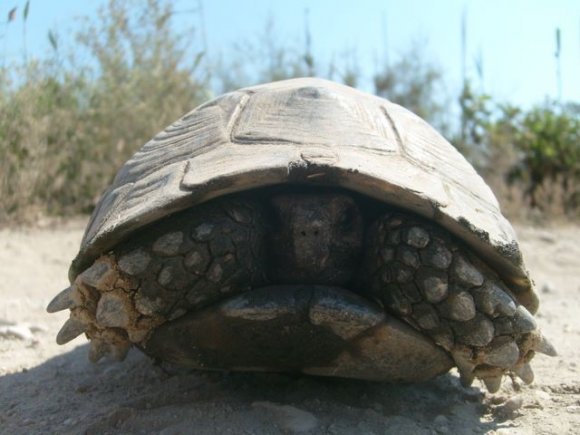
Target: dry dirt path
45,388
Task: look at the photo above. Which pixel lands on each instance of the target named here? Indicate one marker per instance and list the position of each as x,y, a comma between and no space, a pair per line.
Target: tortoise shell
311,132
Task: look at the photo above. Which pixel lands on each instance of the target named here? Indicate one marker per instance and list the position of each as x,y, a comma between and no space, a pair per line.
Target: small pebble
288,418
19,332
441,424
397,424
497,399
37,328
68,422
543,396
513,403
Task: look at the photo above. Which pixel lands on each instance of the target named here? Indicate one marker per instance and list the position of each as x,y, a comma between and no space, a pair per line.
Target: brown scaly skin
437,285
413,269
188,261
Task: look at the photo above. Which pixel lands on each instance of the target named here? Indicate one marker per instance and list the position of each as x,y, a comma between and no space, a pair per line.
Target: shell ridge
235,116
394,128
429,167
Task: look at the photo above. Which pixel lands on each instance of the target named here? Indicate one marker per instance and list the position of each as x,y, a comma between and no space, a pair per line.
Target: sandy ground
45,388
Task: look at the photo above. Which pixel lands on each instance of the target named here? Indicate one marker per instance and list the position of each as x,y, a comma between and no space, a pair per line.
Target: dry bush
37,129
67,126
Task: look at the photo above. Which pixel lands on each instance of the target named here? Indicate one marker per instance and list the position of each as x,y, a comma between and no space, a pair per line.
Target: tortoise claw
542,345
465,367
61,301
492,383
119,351
466,378
97,350
70,330
525,373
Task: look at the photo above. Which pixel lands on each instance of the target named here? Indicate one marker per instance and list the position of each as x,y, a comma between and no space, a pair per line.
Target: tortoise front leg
437,285
183,263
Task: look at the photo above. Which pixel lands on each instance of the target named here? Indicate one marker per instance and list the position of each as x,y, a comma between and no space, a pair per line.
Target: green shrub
547,139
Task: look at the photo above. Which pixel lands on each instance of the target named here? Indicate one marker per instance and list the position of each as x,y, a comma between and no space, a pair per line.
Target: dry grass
66,126
68,122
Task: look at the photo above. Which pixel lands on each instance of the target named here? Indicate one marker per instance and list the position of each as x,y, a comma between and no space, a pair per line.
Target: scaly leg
435,283
182,263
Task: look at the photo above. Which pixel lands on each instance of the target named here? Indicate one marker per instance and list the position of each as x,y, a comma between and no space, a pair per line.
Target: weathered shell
308,131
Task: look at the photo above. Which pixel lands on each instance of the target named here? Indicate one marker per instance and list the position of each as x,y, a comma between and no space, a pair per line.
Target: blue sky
514,38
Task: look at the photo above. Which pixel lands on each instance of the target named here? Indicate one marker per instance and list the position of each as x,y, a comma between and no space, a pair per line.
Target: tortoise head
315,238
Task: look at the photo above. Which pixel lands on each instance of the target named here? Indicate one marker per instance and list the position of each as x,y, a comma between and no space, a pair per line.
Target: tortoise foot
437,285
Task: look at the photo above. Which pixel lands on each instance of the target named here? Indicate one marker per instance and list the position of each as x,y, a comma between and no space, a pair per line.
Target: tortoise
305,226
